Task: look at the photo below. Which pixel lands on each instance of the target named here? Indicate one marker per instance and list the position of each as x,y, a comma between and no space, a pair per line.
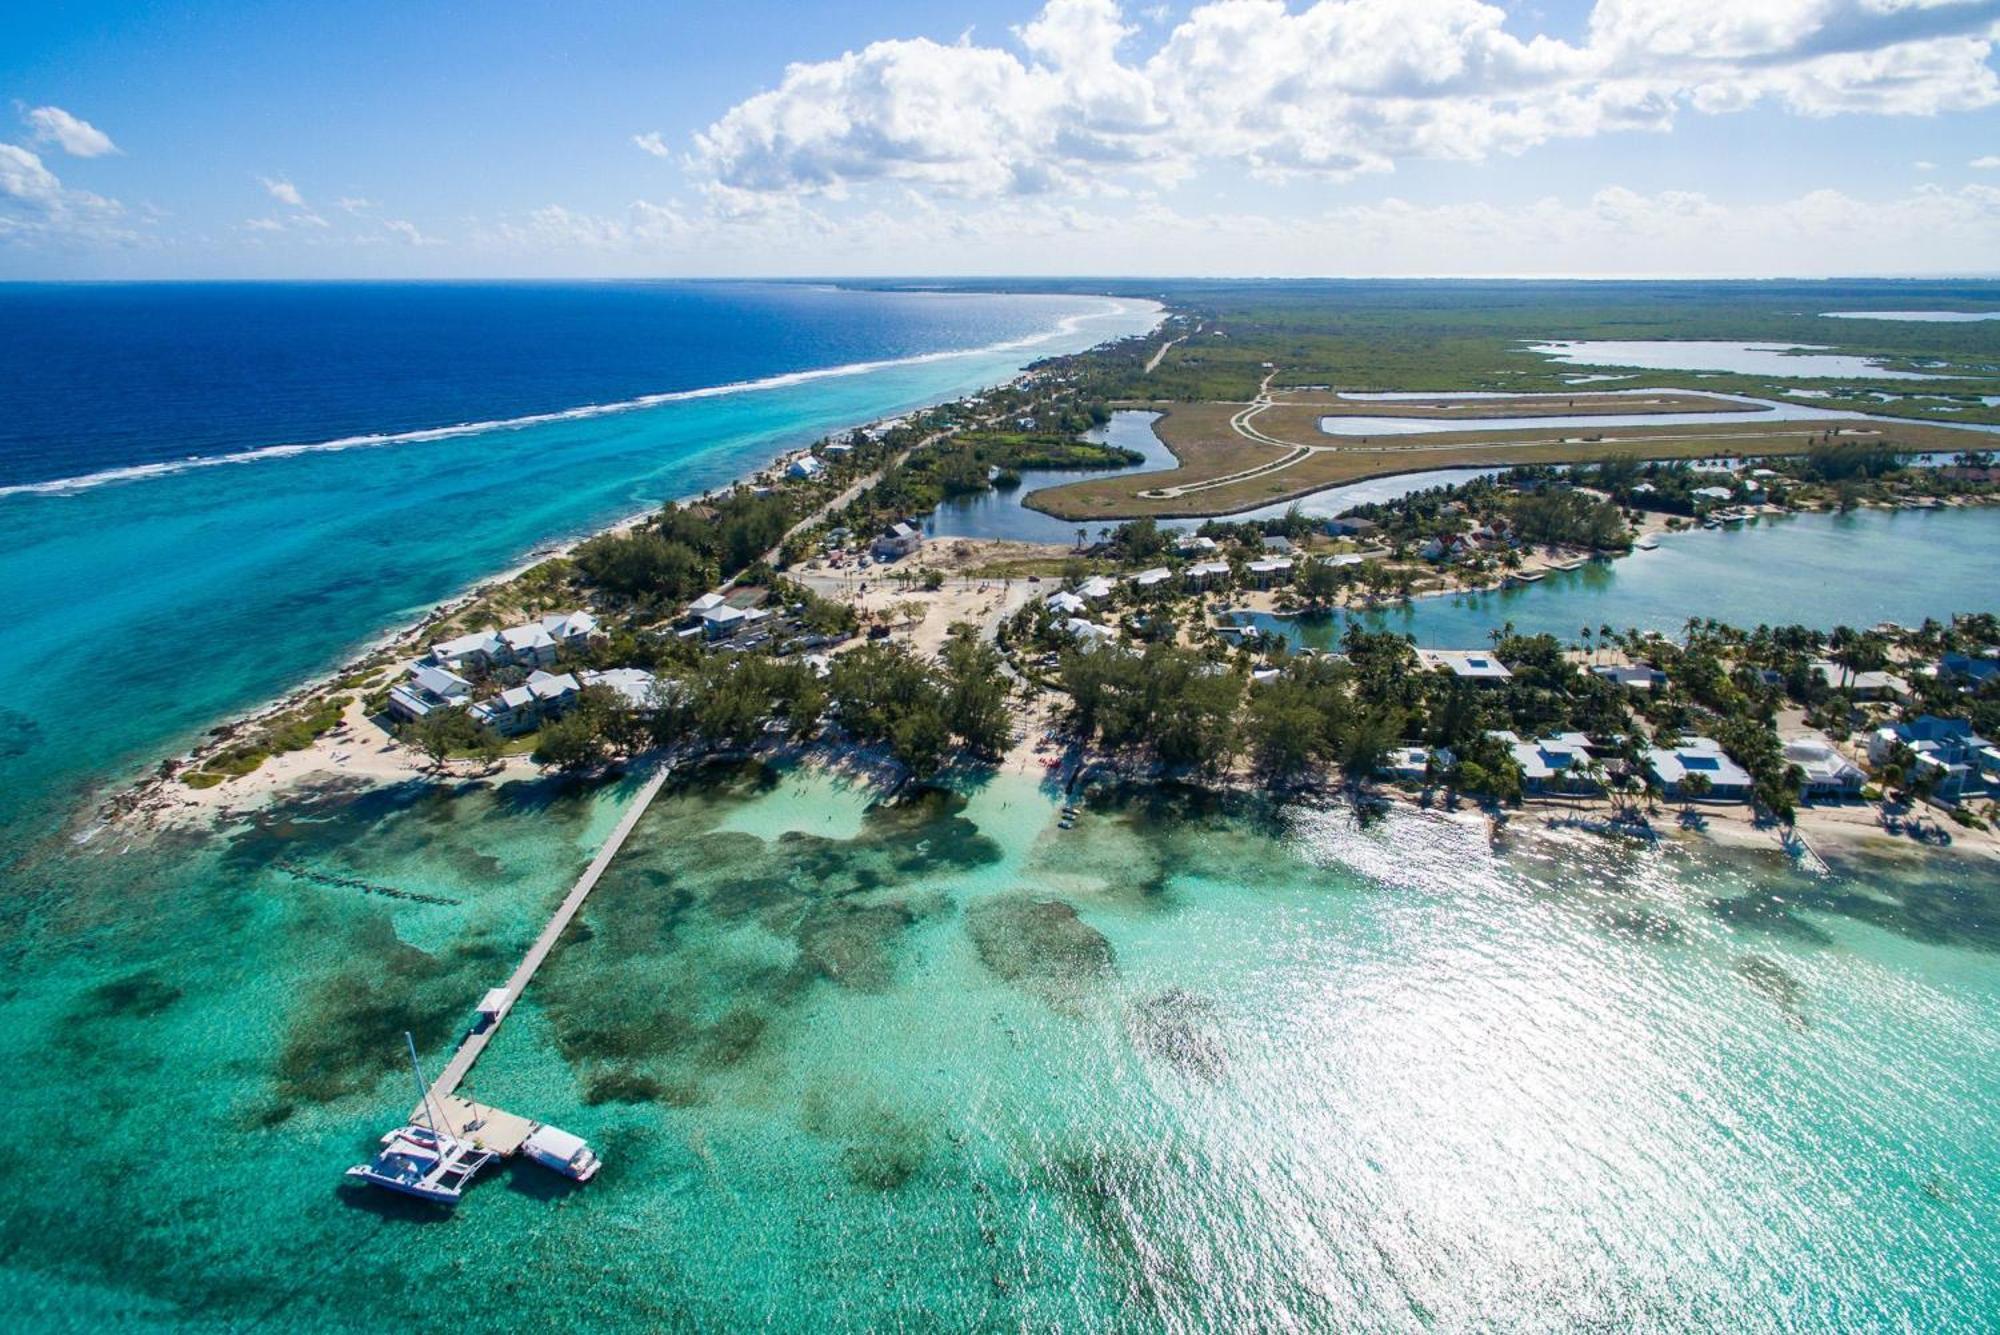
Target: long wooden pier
443,1091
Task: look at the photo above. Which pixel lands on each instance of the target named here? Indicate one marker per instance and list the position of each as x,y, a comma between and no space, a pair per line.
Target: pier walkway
444,1088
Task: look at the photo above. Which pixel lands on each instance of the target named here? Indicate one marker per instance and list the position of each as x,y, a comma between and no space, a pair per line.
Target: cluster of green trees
1562,515
685,548
1175,705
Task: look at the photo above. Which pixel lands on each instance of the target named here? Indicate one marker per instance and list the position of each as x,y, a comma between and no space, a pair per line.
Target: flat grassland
1238,456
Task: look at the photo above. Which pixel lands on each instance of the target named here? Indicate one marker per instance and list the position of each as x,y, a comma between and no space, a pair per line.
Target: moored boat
419,1161
555,1148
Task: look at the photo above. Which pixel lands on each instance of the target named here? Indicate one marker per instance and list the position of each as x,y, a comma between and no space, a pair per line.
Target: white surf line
1069,324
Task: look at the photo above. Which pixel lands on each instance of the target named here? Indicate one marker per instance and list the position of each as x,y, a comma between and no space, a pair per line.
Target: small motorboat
555,1148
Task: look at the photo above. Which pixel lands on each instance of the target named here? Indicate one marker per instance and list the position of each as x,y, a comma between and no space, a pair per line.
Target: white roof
464,646
1203,569
1089,631
554,1142
706,601
1714,493
1146,579
1094,588
722,614
547,685
1063,601
569,625
494,1001
527,637
1474,663
1814,754
1270,565
1698,755
806,466
634,684
439,682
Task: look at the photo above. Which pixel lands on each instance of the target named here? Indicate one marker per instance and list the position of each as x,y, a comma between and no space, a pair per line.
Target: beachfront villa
532,644
1189,544
1957,761
1554,764
1470,664
804,468
637,687
1632,676
1863,685
428,688
1827,773
1974,670
1671,767
1351,527
1151,579
1414,762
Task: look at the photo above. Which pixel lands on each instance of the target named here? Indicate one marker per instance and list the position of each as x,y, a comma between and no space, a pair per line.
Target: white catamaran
428,1162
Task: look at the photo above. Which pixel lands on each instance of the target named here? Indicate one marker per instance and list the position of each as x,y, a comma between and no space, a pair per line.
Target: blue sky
1072,136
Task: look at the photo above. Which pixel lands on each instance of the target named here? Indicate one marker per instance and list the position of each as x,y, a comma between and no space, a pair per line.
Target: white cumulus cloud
1989,161
75,136
36,205
1328,88
283,191
653,142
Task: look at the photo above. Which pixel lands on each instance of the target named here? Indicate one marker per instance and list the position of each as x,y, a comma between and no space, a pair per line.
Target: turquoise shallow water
1188,1066
148,609
1814,570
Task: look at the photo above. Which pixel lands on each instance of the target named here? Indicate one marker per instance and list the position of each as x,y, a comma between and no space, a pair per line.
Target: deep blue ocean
210,491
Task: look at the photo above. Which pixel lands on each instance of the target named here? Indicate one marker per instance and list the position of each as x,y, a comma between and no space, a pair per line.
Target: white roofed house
1673,766
529,645
1827,772
1088,634
1152,579
898,540
1065,604
1095,589
570,630
428,689
1632,676
637,687
1471,664
479,649
1863,685
804,467
721,621
1558,763
553,692
512,711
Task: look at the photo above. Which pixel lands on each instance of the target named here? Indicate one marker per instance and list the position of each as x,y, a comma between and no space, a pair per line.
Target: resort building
705,603
1827,772
1349,526
553,692
428,688
512,711
1269,571
533,644
1191,544
1202,573
1672,767
721,621
1471,664
1277,543
1151,579
1554,764
805,468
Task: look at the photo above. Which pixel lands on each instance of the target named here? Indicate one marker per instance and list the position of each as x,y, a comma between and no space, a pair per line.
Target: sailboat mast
424,1090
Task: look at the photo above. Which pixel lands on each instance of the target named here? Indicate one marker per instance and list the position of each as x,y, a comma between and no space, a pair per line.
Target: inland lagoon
1196,1063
